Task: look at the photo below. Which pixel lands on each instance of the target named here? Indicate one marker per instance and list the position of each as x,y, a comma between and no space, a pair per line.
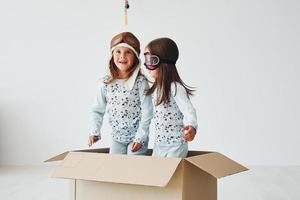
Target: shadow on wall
25,134
13,131
2,134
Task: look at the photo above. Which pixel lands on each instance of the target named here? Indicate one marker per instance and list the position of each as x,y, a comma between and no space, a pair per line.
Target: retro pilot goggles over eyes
152,61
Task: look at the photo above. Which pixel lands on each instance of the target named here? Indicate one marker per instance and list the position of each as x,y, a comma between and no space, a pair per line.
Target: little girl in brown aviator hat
121,94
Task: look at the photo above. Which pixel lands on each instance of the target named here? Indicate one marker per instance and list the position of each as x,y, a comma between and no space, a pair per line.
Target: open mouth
123,62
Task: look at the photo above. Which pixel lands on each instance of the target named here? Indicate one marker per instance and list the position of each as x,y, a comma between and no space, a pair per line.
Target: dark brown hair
167,49
124,37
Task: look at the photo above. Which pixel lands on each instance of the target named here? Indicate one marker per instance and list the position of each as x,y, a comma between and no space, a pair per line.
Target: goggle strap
167,61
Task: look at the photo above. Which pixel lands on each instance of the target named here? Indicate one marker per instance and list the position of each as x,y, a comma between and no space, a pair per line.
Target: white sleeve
185,106
98,111
146,112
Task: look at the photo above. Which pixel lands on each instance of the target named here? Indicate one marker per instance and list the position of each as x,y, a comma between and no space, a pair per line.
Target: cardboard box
95,174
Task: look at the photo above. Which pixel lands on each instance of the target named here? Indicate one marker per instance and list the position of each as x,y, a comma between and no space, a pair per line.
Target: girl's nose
122,55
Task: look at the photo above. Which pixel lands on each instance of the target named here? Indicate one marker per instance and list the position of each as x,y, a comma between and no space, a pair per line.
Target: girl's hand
136,146
93,139
190,133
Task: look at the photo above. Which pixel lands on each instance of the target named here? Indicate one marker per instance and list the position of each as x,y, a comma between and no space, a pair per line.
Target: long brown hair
124,37
166,48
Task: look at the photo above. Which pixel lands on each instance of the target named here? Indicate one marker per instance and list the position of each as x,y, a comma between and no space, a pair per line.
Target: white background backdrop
243,57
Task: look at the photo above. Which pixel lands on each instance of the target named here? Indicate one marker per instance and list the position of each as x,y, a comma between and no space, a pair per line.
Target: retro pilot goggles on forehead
152,61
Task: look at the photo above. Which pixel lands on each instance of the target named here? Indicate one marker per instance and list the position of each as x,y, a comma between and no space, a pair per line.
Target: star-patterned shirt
129,109
169,118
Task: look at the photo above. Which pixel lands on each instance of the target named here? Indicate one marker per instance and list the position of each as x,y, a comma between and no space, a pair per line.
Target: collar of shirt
129,83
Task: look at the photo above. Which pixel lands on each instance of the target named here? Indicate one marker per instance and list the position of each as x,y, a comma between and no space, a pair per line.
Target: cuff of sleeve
195,126
95,133
140,140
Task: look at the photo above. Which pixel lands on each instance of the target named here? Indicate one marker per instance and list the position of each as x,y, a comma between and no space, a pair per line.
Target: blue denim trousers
121,148
179,151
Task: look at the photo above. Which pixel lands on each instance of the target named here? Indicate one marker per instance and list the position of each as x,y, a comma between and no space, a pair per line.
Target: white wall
243,57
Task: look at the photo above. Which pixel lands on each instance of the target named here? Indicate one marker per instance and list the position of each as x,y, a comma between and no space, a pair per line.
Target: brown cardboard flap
216,164
196,153
63,155
139,170
58,157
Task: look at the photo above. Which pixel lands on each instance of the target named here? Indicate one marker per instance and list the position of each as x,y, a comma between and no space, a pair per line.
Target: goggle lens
151,61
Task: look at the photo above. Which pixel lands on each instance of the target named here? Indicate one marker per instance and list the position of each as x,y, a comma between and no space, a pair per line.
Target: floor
260,183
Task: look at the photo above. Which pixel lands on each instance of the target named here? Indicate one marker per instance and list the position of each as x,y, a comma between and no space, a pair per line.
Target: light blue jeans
179,151
121,148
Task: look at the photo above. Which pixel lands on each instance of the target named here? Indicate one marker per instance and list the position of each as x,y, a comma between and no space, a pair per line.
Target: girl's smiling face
123,59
